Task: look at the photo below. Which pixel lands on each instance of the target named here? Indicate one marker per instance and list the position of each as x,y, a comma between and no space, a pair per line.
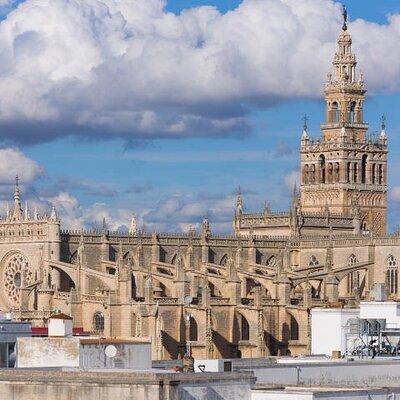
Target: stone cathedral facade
245,295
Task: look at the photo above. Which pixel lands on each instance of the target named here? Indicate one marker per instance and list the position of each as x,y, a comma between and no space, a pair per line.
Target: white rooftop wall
328,329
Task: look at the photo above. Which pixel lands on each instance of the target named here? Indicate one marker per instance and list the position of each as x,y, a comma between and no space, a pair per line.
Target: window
352,111
322,168
355,180
271,261
193,329
244,328
313,262
380,174
392,274
223,261
294,328
353,280
364,168
98,322
335,112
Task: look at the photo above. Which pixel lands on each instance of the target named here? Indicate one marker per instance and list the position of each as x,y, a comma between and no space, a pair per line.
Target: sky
162,109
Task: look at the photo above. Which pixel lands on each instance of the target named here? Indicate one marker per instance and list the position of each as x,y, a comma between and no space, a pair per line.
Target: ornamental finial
383,122
305,120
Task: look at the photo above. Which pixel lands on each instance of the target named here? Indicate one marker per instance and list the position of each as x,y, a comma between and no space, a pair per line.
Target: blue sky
172,178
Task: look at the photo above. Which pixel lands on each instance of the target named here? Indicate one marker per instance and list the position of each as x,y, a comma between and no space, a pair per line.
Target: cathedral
245,295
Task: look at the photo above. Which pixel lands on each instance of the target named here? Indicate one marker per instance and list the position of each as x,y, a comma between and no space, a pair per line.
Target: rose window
16,273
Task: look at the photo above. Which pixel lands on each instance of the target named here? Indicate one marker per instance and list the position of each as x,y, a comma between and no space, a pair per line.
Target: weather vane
344,13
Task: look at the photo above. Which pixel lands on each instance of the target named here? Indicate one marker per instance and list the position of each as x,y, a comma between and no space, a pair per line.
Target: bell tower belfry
345,169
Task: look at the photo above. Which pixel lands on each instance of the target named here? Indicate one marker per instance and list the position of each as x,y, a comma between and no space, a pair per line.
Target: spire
53,214
239,202
205,227
104,226
26,211
344,13
133,228
17,213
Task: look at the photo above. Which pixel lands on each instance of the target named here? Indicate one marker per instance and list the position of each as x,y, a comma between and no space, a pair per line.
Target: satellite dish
188,299
110,351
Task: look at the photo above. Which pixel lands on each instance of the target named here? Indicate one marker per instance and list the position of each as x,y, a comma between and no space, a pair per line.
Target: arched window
313,262
353,279
244,328
193,329
322,168
364,168
98,322
330,173
352,260
294,328
336,173
392,274
312,174
380,174
271,262
133,287
373,169
355,180
348,173
306,175
335,112
352,111
223,260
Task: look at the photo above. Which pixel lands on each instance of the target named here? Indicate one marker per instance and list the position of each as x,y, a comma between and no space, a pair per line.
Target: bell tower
345,169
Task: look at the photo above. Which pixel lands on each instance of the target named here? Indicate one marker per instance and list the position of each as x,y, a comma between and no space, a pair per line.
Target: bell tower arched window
364,168
352,112
322,168
335,112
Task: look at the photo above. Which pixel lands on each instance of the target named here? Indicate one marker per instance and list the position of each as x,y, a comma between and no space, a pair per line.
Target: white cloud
292,179
395,194
129,68
13,162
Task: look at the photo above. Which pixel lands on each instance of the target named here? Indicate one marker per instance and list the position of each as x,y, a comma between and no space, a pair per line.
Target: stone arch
66,282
